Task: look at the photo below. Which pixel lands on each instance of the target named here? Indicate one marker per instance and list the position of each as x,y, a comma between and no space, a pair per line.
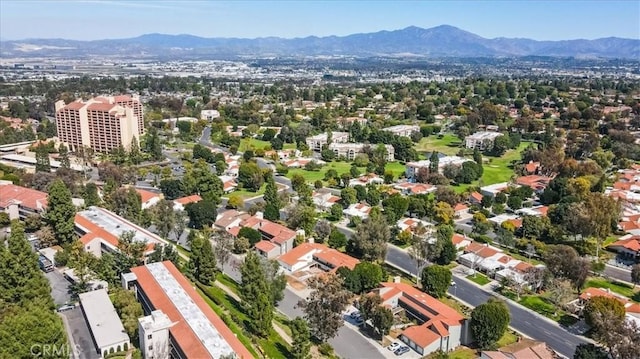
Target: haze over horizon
103,19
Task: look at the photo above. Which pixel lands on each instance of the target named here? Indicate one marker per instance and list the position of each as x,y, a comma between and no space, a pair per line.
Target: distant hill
440,41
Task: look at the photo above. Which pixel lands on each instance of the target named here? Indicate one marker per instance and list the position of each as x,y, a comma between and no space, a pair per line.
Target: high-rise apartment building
102,123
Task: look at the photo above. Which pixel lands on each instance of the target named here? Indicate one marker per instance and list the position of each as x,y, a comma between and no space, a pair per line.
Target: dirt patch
296,284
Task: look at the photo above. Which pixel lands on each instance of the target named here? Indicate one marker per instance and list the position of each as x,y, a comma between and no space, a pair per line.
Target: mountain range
439,41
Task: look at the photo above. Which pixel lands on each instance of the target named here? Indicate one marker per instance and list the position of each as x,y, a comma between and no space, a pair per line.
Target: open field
616,287
246,194
449,144
256,144
341,167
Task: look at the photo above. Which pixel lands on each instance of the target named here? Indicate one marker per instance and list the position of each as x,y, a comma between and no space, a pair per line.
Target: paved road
532,325
617,273
59,287
347,344
79,330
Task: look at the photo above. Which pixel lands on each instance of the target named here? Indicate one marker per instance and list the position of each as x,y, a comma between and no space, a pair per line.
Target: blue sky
99,19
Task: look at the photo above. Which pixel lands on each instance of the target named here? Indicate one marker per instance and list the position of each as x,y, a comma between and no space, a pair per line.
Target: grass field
256,144
479,278
246,194
616,287
341,167
507,338
449,144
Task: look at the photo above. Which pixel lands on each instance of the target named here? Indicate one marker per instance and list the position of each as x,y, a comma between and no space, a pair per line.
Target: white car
394,346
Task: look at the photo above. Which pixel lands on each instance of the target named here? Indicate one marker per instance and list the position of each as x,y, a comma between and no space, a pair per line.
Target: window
150,347
149,336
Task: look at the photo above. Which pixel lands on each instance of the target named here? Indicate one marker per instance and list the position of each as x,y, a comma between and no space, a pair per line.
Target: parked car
355,314
394,346
359,321
401,350
66,307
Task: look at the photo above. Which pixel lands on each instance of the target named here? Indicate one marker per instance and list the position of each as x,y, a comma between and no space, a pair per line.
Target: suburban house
323,199
408,188
632,309
460,241
539,211
410,224
536,182
20,202
402,130
228,183
301,162
180,203
482,140
412,168
523,349
316,142
350,150
100,229
494,189
627,247
148,198
441,327
532,168
495,263
280,237
370,178
460,210
233,165
346,122
475,198
357,210
314,255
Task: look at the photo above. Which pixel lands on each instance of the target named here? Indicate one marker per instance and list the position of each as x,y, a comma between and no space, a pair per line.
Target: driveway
78,331
59,287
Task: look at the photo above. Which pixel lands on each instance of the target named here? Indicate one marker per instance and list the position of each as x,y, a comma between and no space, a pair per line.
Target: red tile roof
293,256
476,196
74,106
265,246
181,331
146,196
531,167
426,304
631,243
100,107
27,197
458,238
460,207
100,232
420,335
336,258
189,199
277,232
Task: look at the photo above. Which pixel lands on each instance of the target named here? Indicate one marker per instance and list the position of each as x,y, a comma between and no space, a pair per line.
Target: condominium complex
413,167
350,150
482,140
316,142
194,329
402,130
101,123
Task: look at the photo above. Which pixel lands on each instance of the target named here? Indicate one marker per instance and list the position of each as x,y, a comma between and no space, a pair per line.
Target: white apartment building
412,168
350,150
482,140
402,130
154,335
316,142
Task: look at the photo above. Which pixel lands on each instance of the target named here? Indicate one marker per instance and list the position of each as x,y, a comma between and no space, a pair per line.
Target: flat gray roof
106,327
117,225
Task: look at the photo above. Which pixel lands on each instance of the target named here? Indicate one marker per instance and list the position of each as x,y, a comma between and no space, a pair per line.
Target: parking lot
78,329
59,287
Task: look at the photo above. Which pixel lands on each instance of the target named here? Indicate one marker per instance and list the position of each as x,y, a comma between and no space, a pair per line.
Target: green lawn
342,167
449,144
541,306
256,144
396,167
507,338
273,346
479,278
616,287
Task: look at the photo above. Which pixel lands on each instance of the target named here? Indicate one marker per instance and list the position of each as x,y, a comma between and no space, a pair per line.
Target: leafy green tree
60,212
134,152
164,217
348,196
250,176
153,144
90,195
256,295
336,212
26,329
203,261
434,161
324,306
436,280
63,153
172,188
201,214
370,239
128,309
598,308
301,346
251,234
448,253
337,239
235,201
273,203
130,252
489,322
127,203
395,207
590,351
302,216
382,320
43,163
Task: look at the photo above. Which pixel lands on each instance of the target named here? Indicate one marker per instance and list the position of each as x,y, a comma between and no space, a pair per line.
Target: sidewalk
233,295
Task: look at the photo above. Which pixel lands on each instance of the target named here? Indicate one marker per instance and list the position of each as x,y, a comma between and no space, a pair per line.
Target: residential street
617,273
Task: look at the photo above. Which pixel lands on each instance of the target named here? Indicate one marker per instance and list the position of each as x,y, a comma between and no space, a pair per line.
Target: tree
223,245
348,196
514,202
43,163
434,162
382,320
635,274
153,146
201,214
256,295
61,212
489,321
322,230
448,253
235,201
164,217
364,277
172,188
560,291
337,239
46,236
368,302
302,216
251,234
90,195
63,155
336,212
203,261
565,263
250,176
128,309
370,239
130,252
395,206
324,306
436,280
127,203
273,204
603,308
134,151
301,346
590,351
443,213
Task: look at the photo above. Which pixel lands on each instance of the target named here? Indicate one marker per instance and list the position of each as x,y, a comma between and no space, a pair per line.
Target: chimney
259,215
396,279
